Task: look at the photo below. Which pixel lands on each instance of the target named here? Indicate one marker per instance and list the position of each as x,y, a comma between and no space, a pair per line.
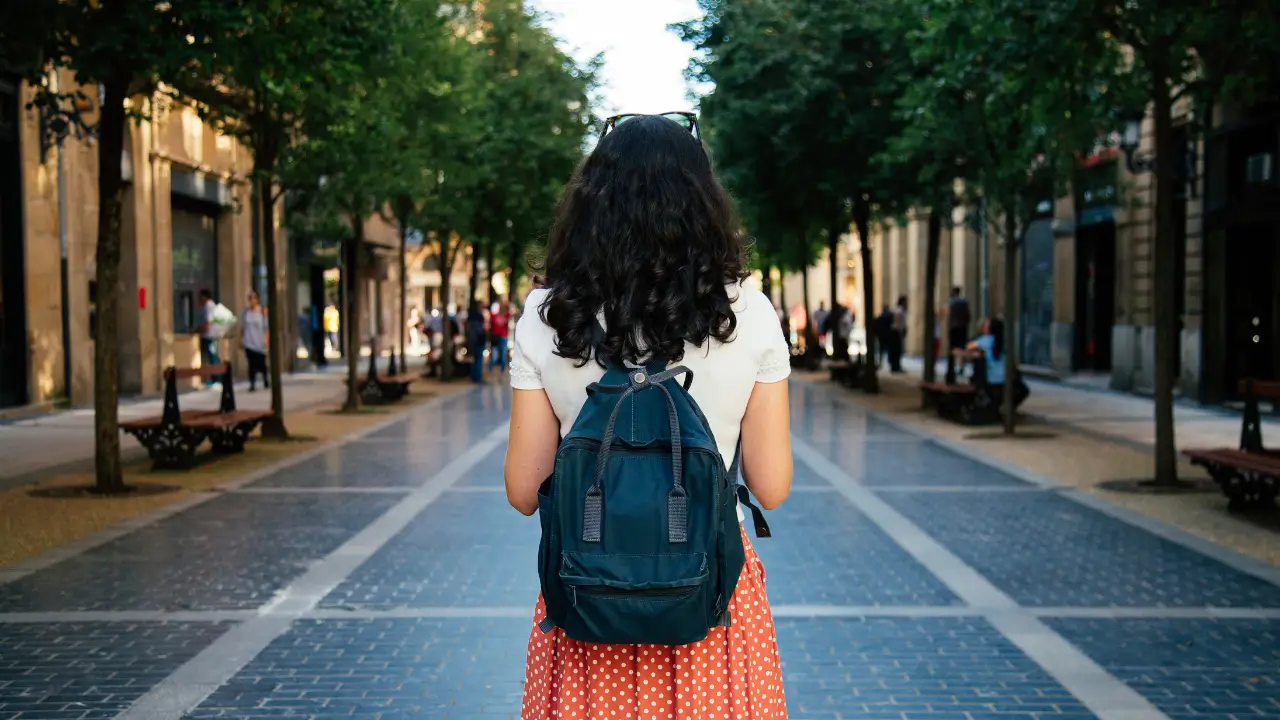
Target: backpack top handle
677,499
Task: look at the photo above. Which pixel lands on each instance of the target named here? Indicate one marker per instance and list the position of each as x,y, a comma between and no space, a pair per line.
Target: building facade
1085,300
187,225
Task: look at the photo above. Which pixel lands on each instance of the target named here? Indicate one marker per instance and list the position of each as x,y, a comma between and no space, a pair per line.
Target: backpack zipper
602,591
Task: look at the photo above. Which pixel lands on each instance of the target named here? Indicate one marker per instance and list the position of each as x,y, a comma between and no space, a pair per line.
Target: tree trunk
1012,243
490,261
810,332
862,219
833,252
933,248
403,316
273,426
515,266
1166,262
109,476
351,314
446,288
766,283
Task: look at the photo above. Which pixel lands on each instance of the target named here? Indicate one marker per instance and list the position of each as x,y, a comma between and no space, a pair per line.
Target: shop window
195,264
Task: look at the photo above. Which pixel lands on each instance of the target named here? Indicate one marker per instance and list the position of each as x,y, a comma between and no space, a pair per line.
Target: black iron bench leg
231,440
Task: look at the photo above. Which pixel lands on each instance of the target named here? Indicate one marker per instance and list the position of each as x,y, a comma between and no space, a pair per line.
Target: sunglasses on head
686,120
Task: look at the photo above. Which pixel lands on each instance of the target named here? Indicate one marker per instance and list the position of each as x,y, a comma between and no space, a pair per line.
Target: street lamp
1130,139
1139,163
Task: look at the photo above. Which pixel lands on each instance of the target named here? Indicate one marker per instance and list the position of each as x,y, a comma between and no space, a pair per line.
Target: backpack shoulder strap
744,494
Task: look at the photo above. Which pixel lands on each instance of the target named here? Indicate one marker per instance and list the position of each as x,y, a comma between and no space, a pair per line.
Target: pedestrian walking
957,329
884,335
643,276
332,322
820,321
209,334
499,327
898,338
253,336
474,325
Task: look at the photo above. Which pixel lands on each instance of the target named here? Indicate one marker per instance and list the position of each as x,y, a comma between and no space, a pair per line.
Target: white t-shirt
724,374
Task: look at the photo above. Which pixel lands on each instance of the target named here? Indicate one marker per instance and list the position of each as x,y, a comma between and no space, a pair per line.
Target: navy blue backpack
640,535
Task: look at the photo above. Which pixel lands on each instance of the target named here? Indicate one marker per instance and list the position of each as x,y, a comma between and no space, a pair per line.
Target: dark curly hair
647,234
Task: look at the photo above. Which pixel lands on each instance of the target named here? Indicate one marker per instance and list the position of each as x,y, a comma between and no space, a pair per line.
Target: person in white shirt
208,334
253,335
646,262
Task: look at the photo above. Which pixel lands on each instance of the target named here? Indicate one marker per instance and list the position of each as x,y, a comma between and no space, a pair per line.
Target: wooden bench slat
203,372
1266,463
1266,389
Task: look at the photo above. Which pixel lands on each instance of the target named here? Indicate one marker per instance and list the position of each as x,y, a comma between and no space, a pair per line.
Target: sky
644,62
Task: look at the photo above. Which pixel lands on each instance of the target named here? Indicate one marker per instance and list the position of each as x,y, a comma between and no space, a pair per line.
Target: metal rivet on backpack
639,378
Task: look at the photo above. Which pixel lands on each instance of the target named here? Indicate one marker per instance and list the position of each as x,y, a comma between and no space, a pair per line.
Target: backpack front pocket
663,600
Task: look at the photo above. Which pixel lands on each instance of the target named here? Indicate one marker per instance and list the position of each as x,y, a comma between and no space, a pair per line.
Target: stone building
1086,272
187,225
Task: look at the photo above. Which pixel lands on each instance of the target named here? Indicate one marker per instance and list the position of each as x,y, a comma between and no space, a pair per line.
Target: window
195,264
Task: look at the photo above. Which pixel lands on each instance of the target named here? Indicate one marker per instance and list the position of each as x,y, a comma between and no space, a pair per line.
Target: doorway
13,310
1095,295
1251,298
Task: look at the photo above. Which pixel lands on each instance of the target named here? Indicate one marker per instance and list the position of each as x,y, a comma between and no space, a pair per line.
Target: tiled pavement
386,578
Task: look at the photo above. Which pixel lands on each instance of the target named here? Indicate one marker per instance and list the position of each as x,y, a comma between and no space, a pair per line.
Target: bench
385,388
1250,475
848,372
973,403
172,438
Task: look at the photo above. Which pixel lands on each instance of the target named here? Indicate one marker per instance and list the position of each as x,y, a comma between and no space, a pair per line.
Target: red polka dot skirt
734,674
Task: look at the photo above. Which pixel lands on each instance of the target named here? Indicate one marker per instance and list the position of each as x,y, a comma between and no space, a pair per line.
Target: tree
263,82
124,48
1017,89
1207,51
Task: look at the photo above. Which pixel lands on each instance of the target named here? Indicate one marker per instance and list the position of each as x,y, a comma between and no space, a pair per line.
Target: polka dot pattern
734,674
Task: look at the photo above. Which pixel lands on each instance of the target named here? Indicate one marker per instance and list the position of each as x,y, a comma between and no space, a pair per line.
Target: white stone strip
1090,683
857,611
523,611
958,489
89,542
402,490
1158,613
476,612
88,616
191,683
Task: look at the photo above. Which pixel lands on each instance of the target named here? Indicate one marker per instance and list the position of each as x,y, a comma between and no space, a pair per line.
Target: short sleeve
761,322
530,339
986,343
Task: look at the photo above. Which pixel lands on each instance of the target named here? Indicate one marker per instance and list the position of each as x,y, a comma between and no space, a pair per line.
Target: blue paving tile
382,463
402,669
233,552
910,461
487,472
914,669
1203,669
823,551
465,418
465,549
90,670
1046,550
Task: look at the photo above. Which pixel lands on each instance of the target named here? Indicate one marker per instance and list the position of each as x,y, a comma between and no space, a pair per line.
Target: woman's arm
766,444
531,448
